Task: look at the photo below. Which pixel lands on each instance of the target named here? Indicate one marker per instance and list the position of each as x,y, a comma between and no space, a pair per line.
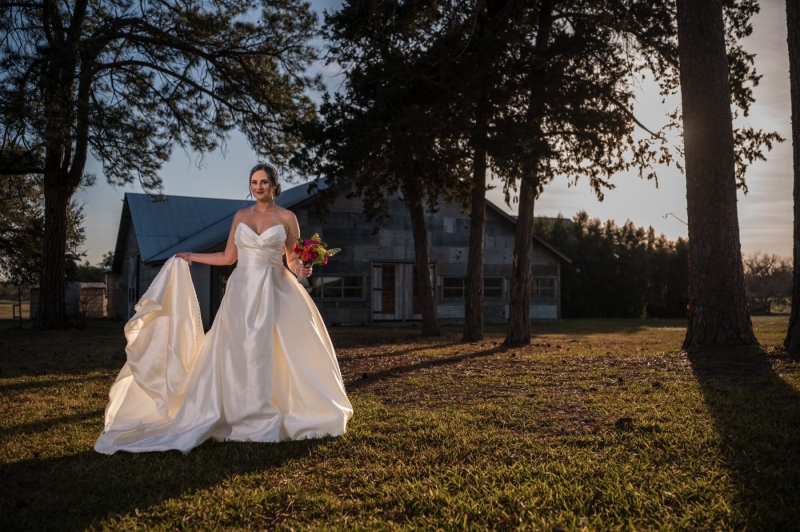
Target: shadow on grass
61,353
69,365
757,413
46,424
42,383
604,325
75,492
399,352
397,371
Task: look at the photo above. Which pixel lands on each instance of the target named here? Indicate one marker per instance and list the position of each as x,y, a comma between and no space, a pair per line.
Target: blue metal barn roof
165,225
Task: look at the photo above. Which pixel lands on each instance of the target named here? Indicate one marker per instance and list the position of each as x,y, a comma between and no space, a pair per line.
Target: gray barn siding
121,295
131,252
494,312
448,238
201,278
146,274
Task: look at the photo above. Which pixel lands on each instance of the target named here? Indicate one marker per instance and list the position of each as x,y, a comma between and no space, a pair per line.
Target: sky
765,213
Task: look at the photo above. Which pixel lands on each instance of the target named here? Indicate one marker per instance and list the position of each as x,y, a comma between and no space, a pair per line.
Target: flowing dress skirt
266,371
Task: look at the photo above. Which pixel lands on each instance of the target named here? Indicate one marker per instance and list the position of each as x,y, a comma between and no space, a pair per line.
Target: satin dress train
265,372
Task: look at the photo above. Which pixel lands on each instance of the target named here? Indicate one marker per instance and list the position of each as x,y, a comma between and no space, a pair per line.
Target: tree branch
633,117
48,16
76,25
82,130
168,72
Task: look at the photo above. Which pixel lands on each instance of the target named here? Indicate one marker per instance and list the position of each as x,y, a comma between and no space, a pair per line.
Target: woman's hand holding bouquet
313,250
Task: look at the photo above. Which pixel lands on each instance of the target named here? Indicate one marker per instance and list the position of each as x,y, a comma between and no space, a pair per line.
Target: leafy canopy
388,128
131,79
22,230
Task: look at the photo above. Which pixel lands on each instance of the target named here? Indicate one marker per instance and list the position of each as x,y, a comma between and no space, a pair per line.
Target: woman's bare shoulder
286,215
240,215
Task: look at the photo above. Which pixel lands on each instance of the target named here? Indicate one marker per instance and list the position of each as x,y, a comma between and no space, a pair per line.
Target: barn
372,280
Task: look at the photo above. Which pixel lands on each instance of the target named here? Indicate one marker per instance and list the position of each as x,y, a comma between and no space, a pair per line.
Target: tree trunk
51,313
718,313
66,151
519,322
473,304
430,324
519,317
792,341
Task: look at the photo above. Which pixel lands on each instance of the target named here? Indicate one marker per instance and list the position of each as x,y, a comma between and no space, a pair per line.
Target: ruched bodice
266,371
258,250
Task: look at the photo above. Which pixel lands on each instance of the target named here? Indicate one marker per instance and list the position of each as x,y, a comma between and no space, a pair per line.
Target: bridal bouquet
313,250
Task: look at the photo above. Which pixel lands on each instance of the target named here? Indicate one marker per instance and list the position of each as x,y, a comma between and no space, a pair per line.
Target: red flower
325,261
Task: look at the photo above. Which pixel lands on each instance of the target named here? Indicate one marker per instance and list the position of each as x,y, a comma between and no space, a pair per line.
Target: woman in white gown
265,372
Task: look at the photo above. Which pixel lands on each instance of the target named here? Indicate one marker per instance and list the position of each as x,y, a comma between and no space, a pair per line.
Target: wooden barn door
395,292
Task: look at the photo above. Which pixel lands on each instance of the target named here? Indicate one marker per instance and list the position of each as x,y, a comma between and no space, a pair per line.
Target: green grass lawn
599,424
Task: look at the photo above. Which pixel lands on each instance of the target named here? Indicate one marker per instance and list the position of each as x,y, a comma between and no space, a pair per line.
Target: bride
265,372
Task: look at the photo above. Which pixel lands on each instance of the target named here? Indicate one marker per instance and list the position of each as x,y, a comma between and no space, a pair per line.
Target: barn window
336,287
456,287
543,288
453,287
493,287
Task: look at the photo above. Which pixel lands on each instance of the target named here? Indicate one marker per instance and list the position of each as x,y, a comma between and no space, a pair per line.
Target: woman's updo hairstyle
272,175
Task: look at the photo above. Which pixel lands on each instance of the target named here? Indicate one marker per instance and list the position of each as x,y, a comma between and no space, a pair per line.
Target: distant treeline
768,281
618,271
629,272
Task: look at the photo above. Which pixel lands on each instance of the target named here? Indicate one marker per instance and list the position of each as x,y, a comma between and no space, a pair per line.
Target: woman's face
260,186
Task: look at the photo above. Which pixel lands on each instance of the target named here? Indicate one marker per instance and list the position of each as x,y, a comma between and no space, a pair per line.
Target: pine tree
129,80
477,71
792,341
575,119
22,230
389,131
717,303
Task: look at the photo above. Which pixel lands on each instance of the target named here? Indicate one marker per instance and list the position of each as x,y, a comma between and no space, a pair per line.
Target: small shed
91,301
81,299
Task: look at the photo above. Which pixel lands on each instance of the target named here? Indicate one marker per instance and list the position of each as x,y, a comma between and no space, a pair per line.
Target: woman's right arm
222,258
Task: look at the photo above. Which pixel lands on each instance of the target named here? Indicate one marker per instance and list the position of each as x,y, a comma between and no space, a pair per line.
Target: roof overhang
536,238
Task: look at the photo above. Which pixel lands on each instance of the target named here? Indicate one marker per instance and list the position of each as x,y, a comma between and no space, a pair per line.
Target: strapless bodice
260,249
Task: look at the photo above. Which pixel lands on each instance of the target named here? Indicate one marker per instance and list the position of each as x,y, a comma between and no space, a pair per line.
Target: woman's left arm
292,260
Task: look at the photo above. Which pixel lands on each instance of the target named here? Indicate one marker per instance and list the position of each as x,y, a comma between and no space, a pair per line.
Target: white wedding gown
266,371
